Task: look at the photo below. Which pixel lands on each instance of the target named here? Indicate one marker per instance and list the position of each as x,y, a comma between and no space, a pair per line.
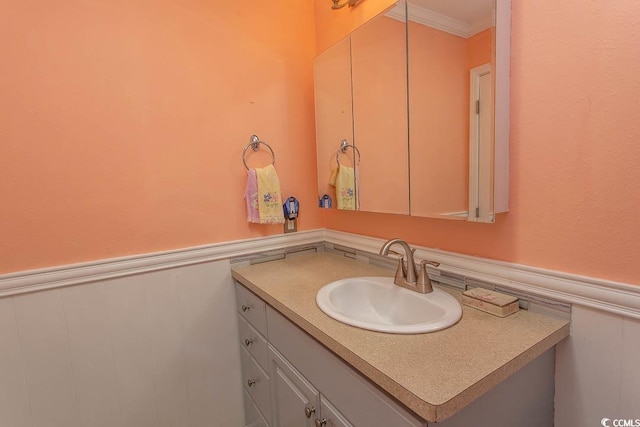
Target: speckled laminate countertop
434,374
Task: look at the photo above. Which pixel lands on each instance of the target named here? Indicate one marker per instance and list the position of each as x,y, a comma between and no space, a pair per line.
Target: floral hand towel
269,197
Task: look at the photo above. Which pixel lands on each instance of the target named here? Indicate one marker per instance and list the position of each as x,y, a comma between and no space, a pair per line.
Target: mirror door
456,110
361,98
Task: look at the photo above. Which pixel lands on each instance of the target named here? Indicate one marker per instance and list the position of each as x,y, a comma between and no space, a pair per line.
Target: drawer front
253,417
252,308
256,384
254,342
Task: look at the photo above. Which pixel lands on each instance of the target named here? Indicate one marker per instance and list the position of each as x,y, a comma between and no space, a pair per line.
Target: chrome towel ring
255,145
344,145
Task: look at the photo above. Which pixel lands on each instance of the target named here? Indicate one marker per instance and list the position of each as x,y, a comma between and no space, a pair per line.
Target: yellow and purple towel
263,197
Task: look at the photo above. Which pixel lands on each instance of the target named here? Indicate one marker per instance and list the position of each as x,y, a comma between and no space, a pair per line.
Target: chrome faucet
410,277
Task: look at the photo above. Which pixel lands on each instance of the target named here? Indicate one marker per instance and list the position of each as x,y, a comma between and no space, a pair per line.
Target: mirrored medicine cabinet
412,112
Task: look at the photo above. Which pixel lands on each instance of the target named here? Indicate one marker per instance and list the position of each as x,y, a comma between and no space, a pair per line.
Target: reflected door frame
480,145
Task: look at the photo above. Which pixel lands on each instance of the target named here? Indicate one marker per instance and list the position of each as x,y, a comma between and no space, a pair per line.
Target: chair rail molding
613,297
75,274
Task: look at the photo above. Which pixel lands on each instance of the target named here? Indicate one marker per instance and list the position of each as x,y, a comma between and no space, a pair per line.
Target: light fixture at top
338,5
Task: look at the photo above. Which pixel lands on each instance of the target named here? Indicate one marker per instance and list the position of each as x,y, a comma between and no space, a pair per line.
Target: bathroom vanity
303,368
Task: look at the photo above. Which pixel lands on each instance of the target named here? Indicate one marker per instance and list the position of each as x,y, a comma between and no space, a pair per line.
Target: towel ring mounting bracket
255,146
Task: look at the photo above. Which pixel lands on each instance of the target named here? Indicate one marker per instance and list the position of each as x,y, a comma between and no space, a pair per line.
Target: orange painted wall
122,123
379,74
575,157
479,48
438,117
121,128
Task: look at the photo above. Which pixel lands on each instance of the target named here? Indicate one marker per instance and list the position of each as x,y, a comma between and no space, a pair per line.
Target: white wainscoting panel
44,343
146,350
14,401
131,341
151,340
597,369
94,371
630,376
228,386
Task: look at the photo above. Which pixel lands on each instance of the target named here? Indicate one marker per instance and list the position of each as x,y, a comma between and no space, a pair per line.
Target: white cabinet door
329,415
295,400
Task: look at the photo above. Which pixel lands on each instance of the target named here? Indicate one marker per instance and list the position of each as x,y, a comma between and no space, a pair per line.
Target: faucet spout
410,274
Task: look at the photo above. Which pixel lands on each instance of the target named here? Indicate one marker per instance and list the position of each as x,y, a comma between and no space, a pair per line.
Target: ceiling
467,11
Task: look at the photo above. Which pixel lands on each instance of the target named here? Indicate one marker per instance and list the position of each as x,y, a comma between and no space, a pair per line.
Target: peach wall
122,123
479,48
574,149
439,117
334,112
379,74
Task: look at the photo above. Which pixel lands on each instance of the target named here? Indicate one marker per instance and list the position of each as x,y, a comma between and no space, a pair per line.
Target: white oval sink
377,304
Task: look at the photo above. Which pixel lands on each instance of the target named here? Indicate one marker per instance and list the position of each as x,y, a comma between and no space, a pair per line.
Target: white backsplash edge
605,295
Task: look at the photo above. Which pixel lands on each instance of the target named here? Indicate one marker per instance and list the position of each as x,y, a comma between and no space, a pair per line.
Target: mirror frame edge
502,112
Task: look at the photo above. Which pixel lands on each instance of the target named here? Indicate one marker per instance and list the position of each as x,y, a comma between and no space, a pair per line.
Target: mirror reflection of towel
269,197
344,179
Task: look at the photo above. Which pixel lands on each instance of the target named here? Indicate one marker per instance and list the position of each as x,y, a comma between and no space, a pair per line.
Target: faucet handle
424,282
424,262
400,271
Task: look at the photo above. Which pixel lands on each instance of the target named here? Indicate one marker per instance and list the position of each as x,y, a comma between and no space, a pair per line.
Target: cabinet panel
256,384
359,400
294,398
525,399
252,308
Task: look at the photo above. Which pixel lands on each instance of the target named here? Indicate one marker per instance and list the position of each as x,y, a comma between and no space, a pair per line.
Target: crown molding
439,21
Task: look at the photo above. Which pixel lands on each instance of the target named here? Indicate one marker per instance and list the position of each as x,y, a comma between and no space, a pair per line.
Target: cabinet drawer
256,384
253,417
254,342
251,308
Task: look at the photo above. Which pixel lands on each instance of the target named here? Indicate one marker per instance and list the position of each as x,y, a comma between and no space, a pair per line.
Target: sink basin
377,304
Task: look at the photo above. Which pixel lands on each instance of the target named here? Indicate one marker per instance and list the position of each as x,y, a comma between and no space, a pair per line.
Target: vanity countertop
434,374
